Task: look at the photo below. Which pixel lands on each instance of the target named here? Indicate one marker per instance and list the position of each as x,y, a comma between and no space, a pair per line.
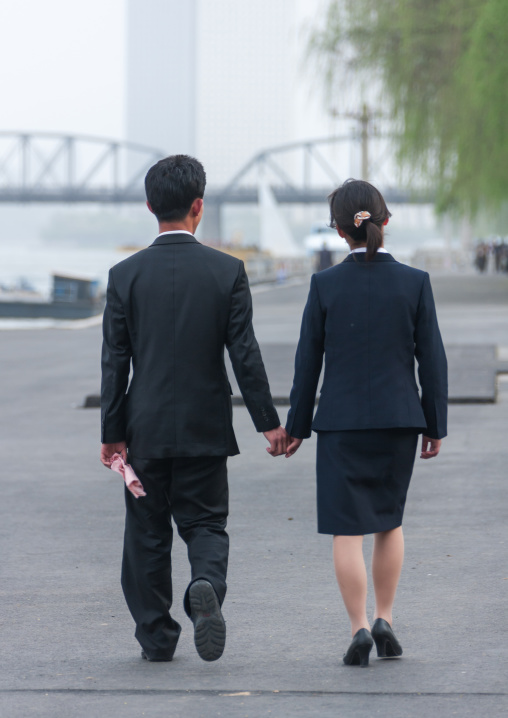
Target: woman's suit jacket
370,320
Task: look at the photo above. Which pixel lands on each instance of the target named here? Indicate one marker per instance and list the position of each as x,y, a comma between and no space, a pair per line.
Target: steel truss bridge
50,167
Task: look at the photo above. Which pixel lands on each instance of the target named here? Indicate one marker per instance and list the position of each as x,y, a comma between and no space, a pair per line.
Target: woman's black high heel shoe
386,643
358,652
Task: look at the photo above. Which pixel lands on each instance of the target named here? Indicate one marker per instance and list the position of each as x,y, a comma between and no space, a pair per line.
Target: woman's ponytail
374,238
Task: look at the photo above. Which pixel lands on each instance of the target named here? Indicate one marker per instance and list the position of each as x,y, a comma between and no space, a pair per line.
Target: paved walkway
67,639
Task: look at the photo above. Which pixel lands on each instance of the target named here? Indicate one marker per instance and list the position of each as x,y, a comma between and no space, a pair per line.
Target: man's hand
430,447
278,439
108,450
294,445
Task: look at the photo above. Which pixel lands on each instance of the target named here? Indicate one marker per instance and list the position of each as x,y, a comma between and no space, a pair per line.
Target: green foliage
482,141
442,66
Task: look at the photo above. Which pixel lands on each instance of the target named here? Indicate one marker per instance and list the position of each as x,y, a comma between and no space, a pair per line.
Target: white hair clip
360,216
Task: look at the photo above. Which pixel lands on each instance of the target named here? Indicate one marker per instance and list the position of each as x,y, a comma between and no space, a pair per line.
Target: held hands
430,447
108,450
278,439
281,442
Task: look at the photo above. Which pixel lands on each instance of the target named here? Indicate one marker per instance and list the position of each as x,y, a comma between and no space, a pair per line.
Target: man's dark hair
172,185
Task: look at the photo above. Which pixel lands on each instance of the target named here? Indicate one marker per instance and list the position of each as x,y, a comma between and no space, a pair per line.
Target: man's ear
196,207
149,206
386,221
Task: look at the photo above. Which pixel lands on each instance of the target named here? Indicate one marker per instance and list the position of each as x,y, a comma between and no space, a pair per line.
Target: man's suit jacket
172,308
370,320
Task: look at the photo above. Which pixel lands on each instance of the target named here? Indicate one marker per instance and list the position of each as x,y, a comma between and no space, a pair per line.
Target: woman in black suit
370,316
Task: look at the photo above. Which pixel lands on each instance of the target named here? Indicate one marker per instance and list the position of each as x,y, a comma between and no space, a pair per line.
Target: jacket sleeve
432,364
116,358
246,357
308,364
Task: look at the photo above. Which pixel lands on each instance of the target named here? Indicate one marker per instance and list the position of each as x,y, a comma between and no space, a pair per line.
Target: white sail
275,234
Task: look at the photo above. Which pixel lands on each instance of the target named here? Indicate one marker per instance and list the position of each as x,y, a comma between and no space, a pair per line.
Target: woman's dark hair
172,185
358,196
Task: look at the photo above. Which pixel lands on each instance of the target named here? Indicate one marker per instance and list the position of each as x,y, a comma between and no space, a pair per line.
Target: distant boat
321,234
72,298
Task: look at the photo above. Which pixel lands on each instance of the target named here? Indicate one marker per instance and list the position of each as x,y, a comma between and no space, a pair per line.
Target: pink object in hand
131,480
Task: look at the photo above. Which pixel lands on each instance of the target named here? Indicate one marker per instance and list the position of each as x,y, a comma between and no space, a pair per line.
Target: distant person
369,316
325,258
481,256
171,310
499,250
504,256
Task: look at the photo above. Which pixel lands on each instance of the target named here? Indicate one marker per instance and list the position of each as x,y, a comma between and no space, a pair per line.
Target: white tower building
161,74
221,79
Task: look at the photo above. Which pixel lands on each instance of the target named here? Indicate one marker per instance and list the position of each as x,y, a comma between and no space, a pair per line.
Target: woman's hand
430,447
293,447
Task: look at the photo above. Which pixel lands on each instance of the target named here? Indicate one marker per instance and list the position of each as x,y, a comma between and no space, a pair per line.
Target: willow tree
440,68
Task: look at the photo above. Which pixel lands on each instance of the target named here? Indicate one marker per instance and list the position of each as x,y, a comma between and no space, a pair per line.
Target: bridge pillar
211,225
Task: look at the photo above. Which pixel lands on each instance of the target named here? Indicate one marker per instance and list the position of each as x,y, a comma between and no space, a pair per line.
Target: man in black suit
171,309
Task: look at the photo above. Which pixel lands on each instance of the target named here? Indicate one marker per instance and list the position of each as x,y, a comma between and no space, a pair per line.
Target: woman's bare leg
387,559
352,578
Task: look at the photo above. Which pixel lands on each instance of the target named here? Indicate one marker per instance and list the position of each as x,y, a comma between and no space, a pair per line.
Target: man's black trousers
194,492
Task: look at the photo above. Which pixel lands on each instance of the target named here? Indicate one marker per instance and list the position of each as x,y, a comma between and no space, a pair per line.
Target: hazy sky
62,66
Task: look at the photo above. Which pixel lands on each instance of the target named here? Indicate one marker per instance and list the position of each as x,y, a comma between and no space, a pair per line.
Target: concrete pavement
66,636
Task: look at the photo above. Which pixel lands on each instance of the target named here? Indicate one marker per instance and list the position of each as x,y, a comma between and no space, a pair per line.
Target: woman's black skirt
362,479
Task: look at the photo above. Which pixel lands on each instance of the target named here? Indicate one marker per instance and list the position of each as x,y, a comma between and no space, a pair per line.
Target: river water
35,263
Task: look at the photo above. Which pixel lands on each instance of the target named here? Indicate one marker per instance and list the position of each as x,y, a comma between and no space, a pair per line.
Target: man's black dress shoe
358,652
209,625
386,643
155,660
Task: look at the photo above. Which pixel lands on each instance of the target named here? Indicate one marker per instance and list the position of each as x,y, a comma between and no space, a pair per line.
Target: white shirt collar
364,249
175,231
